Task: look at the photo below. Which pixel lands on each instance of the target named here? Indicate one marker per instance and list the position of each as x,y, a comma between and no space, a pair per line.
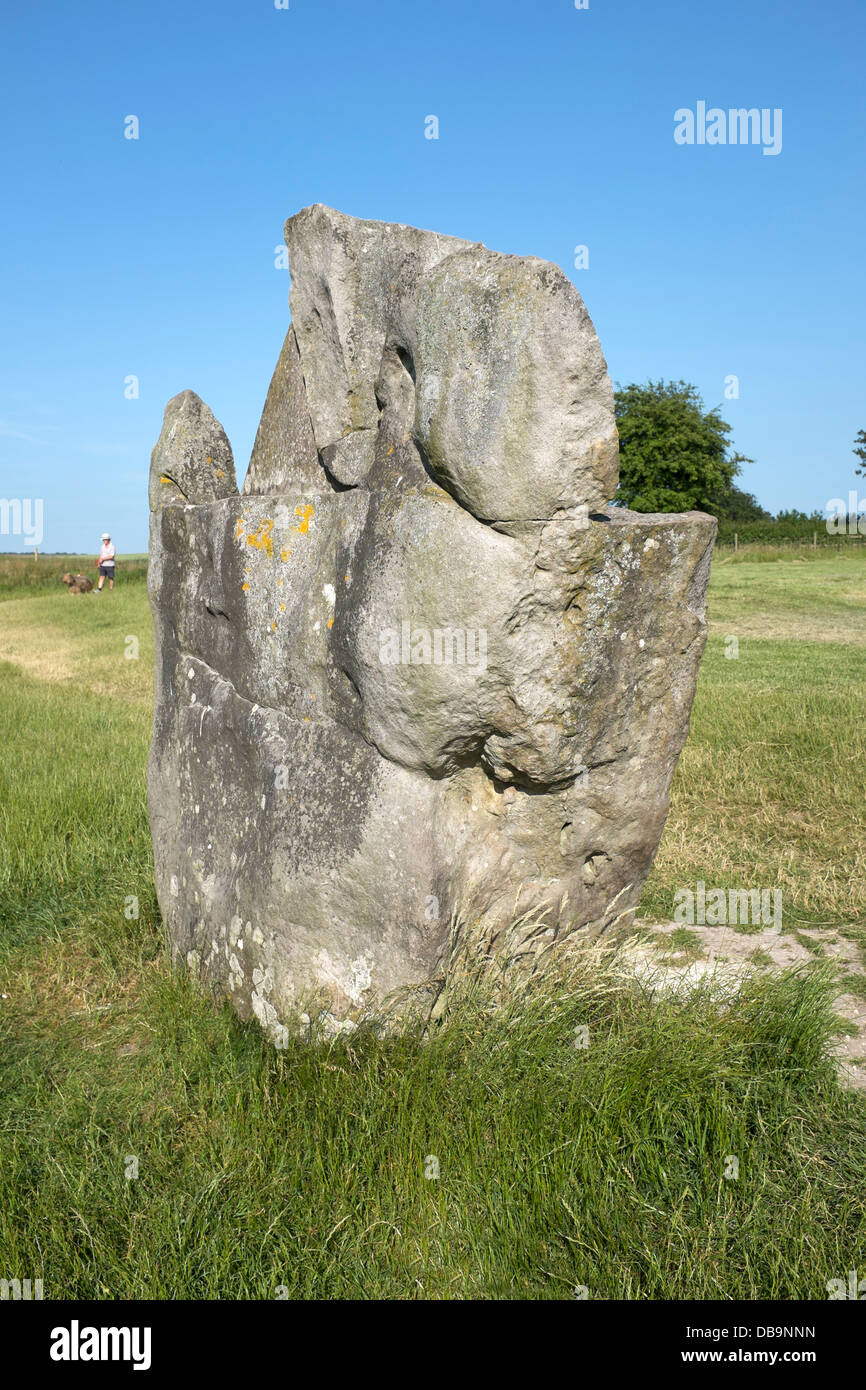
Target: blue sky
155,257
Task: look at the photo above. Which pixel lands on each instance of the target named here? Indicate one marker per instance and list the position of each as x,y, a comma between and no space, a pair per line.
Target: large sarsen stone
417,680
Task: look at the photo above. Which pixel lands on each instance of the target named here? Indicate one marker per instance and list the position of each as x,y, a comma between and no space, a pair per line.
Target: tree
737,505
860,451
793,514
673,454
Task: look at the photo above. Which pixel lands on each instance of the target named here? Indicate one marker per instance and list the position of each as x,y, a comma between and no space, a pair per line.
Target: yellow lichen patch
210,460
246,569
284,555
240,531
273,626
220,473
330,624
390,451
345,579
164,479
245,587
305,513
282,608
261,538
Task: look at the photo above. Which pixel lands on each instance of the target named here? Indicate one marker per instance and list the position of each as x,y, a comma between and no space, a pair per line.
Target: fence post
814,540
735,540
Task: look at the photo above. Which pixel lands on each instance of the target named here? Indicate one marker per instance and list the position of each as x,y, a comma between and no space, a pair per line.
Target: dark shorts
107,571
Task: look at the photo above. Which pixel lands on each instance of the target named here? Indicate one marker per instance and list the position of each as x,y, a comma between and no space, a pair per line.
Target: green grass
559,1166
818,596
82,641
681,941
769,790
24,575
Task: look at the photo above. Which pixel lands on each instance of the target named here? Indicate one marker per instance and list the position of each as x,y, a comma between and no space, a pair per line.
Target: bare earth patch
39,653
674,958
789,627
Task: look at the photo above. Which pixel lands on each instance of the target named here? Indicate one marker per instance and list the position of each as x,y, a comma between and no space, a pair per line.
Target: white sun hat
105,536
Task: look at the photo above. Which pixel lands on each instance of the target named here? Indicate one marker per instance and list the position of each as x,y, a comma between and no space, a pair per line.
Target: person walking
105,563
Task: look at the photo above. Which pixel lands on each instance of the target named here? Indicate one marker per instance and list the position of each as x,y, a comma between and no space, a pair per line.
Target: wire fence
818,540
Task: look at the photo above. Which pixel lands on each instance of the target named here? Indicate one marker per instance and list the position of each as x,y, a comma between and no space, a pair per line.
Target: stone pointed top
320,215
192,459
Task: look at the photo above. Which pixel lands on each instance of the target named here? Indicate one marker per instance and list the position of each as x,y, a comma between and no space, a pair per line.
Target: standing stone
420,690
192,459
285,452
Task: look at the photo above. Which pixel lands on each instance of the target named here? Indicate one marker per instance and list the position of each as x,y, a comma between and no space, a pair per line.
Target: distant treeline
778,530
676,456
787,526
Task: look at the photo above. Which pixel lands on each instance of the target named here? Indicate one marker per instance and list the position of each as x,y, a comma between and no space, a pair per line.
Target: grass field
154,1146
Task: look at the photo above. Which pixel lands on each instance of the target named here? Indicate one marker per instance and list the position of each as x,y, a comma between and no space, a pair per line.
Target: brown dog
77,583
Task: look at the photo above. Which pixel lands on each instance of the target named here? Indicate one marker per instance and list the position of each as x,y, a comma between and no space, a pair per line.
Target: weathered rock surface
284,454
417,672
515,406
192,459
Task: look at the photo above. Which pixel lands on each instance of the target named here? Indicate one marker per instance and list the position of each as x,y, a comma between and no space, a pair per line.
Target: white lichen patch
236,973
352,980
362,979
